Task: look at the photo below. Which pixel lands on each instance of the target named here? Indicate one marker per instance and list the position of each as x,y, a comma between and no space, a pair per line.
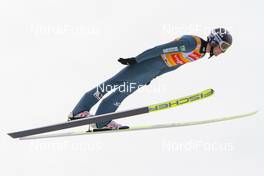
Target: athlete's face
217,51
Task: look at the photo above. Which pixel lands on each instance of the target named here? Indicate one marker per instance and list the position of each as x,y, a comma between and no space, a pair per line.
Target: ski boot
92,127
81,115
110,126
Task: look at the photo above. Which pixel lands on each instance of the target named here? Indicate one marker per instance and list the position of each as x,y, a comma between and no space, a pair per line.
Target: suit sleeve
184,44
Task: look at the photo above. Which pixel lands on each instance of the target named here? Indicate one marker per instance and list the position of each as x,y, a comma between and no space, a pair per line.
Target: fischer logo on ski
181,101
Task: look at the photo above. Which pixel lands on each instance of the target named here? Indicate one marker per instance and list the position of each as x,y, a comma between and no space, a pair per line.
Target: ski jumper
150,64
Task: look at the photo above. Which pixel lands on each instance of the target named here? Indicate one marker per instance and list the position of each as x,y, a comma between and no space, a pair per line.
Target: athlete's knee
114,99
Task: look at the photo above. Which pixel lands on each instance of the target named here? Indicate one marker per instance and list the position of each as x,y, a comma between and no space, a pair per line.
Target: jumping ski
143,127
115,115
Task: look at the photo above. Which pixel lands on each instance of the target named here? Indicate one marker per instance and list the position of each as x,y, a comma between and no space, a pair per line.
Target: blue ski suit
150,64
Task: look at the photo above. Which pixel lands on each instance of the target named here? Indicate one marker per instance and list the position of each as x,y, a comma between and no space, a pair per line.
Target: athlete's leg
113,101
91,97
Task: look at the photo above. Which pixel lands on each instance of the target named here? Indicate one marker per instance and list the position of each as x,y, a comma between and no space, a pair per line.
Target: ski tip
209,90
254,112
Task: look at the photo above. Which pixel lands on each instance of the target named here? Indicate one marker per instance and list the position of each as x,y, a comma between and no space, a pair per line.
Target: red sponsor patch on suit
177,59
195,55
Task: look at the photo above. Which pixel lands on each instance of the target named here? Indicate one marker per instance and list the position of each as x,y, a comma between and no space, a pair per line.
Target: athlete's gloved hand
128,61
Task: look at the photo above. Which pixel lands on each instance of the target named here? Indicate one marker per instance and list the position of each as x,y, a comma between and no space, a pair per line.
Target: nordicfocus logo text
124,87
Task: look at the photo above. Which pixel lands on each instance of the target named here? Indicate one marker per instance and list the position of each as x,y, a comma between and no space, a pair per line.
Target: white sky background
52,52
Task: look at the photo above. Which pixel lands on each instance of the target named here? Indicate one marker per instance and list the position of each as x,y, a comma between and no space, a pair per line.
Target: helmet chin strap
211,50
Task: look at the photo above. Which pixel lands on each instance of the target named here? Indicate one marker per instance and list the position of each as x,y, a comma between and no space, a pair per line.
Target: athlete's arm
184,44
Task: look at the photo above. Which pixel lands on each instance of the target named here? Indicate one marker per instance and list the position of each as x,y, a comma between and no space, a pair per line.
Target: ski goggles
224,46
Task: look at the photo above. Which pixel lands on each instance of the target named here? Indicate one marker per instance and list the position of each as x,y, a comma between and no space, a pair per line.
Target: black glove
128,61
